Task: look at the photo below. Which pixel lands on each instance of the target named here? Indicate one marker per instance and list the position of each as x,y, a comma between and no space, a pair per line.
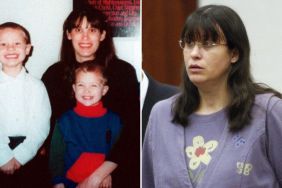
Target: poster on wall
123,15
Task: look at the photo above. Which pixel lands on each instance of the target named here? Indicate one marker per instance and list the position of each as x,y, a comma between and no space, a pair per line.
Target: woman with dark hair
222,130
87,36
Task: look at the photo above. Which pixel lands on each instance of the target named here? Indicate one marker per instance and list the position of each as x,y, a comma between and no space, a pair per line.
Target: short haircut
90,66
14,25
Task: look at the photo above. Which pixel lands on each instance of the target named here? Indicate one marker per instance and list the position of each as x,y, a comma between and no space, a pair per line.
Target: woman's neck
213,99
83,59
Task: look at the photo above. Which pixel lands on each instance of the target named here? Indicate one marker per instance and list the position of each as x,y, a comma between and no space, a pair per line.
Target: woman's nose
195,51
85,34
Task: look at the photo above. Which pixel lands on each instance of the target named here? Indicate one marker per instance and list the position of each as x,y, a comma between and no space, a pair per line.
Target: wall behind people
162,22
44,20
129,49
264,27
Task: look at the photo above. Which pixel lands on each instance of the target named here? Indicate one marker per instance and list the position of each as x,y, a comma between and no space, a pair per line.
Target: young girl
85,134
25,110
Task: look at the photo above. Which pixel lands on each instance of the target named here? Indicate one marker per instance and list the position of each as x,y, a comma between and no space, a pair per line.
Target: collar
97,110
5,77
144,87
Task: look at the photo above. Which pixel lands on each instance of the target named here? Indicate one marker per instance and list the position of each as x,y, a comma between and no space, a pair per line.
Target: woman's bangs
96,24
202,30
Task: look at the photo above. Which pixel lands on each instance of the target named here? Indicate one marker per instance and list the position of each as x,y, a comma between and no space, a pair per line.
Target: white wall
129,49
44,20
262,20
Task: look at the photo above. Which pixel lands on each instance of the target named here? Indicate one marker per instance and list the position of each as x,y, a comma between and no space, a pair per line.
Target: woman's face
85,40
208,64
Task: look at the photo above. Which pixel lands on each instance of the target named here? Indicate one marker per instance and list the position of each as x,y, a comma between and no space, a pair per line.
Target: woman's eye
2,44
77,29
93,30
190,44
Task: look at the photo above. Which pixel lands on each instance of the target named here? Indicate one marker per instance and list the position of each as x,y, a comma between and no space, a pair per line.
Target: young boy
25,108
83,136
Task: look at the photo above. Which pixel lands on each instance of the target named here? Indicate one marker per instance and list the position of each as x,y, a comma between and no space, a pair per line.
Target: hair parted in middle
221,23
106,51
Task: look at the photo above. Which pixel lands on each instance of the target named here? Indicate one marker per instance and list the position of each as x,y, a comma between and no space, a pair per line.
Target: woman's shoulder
56,68
54,73
267,101
117,63
123,71
164,106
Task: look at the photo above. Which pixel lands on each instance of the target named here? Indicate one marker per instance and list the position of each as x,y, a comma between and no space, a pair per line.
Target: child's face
13,48
89,87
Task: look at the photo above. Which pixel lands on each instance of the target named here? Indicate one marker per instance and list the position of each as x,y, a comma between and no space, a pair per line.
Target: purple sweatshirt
250,158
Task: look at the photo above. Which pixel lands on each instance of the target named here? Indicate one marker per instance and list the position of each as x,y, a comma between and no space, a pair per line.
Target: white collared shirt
144,88
24,111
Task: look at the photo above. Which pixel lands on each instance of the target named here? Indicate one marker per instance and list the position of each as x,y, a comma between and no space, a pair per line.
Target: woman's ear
234,56
103,35
68,35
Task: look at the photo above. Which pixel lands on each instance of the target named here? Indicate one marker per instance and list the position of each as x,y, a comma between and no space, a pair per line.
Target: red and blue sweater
81,140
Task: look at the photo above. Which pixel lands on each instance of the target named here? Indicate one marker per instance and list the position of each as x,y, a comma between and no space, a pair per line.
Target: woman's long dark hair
210,23
106,51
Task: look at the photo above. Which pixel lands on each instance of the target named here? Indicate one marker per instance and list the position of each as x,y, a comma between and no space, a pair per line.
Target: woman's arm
274,135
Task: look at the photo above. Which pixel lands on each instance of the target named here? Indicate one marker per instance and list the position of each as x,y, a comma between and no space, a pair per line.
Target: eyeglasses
204,45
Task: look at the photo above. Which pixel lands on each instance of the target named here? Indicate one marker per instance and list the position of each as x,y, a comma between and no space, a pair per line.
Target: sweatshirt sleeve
147,156
274,136
6,154
38,120
57,153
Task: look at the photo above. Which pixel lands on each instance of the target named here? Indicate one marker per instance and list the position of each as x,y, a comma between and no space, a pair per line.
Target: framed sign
123,15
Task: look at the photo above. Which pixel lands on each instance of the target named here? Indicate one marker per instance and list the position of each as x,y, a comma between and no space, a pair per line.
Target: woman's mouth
194,68
85,45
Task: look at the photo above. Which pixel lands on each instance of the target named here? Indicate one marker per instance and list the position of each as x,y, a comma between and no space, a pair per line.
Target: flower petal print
199,152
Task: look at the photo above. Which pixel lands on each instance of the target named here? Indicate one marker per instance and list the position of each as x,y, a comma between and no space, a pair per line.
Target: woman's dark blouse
122,98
